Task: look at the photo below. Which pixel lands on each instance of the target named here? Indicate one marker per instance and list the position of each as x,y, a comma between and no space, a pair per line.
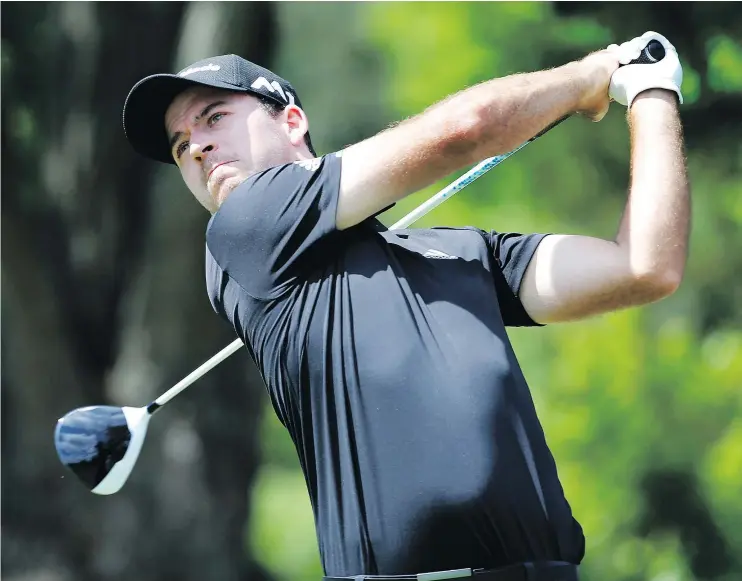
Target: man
385,353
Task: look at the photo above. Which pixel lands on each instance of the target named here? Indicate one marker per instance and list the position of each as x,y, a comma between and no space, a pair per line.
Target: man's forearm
507,111
655,226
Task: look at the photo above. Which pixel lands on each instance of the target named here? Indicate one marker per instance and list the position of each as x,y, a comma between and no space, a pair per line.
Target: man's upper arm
269,227
385,168
573,277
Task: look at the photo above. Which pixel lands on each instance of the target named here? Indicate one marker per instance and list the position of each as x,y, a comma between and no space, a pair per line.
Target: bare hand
596,70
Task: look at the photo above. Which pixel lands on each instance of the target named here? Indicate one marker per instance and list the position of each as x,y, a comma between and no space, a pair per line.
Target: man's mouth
216,166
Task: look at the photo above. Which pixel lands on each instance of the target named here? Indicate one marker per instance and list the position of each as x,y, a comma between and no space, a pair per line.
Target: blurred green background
104,300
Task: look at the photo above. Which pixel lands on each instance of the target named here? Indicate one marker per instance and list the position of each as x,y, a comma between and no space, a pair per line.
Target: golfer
385,353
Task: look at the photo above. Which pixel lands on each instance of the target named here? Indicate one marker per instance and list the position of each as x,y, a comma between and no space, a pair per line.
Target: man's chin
221,191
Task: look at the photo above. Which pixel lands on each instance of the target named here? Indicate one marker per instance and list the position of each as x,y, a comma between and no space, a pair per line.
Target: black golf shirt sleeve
512,253
269,228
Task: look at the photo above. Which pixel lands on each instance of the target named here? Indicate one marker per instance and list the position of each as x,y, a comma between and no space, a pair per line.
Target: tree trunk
104,301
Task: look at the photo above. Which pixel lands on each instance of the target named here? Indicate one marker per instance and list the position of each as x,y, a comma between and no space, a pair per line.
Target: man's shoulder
257,188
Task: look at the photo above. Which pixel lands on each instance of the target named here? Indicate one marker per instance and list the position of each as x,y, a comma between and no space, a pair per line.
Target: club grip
652,53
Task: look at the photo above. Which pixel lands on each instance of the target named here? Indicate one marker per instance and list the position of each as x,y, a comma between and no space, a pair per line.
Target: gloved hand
630,80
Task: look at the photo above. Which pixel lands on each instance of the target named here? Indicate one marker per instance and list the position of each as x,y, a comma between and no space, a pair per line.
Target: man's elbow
657,284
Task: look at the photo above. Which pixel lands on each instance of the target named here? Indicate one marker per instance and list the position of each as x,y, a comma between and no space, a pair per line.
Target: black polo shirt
386,357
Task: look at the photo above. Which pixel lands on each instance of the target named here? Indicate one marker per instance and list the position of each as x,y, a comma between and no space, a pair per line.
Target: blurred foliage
642,408
725,64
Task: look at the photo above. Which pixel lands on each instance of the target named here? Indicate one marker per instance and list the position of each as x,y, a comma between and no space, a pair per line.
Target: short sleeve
512,253
270,228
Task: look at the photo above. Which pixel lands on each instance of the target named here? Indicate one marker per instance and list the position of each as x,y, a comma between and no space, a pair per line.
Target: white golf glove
630,80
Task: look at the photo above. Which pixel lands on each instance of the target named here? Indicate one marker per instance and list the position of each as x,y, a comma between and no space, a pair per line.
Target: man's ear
297,124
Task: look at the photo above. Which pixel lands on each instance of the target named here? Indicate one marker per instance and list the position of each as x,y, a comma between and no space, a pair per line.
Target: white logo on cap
209,67
273,87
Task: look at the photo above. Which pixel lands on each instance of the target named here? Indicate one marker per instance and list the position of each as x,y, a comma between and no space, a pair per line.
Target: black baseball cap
148,100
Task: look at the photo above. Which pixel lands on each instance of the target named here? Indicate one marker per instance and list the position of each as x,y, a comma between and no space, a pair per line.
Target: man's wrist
652,97
577,77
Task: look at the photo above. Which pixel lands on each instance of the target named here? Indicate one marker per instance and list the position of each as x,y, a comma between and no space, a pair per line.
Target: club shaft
194,375
476,172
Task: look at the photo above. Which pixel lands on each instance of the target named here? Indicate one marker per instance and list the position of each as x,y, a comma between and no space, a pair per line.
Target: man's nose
199,150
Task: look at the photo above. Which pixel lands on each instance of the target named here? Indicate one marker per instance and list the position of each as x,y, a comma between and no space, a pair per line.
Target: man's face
219,138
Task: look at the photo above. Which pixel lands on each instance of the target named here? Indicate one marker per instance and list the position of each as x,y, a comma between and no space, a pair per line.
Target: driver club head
101,444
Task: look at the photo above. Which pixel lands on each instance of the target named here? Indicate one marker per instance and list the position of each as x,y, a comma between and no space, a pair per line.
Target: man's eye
215,118
181,148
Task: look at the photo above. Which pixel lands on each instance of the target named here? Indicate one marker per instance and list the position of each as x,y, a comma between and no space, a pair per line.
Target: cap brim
145,108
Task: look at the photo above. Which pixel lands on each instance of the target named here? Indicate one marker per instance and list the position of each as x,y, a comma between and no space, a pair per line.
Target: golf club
101,444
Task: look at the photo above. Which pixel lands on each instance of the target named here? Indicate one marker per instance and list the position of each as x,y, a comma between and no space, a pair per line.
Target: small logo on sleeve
438,254
309,164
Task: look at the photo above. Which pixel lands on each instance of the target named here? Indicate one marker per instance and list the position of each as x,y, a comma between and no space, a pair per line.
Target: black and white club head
101,444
